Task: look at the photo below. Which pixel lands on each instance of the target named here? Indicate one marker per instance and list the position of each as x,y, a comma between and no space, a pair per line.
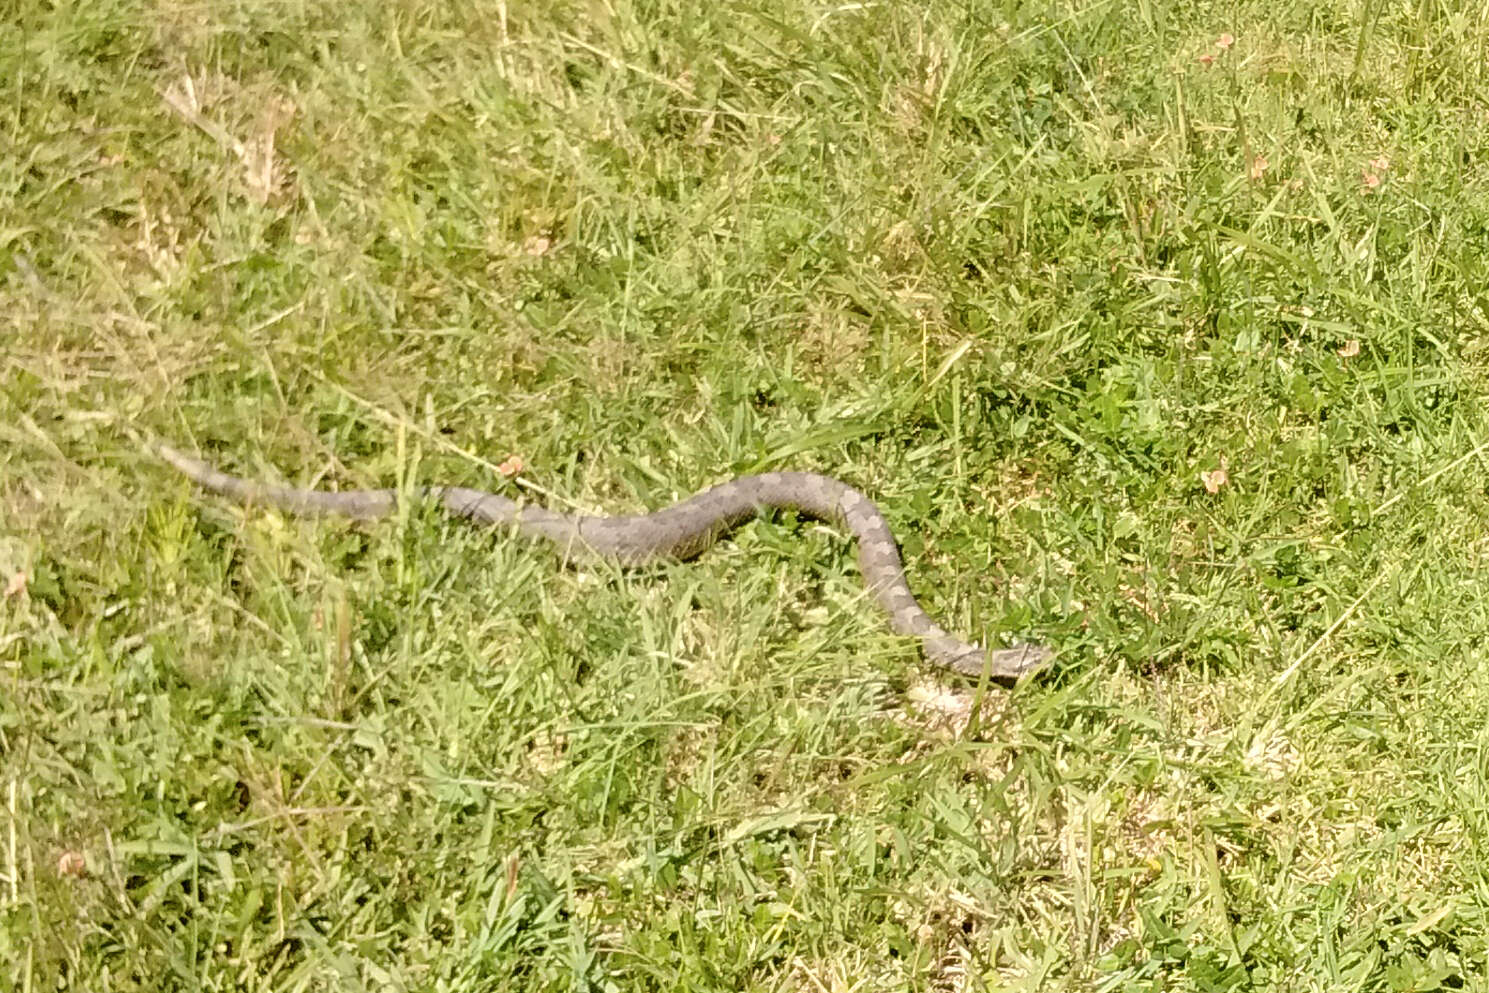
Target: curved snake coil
680,531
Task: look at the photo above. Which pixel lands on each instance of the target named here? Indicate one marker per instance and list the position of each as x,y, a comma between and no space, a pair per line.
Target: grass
1028,275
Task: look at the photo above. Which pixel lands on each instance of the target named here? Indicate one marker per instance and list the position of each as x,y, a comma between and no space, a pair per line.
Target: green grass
1023,273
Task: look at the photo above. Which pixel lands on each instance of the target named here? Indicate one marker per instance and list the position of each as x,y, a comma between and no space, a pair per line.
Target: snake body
680,531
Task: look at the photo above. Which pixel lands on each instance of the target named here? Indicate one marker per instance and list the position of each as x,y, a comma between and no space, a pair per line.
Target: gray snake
680,531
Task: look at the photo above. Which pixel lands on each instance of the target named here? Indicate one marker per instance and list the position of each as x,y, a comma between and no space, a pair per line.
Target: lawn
1158,332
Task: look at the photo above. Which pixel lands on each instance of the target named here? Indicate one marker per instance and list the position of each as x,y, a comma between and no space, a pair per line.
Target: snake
674,533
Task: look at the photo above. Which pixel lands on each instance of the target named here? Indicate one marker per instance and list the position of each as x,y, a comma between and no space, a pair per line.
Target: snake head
1013,664
1002,665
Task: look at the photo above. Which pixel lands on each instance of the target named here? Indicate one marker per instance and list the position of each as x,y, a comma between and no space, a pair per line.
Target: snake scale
680,531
